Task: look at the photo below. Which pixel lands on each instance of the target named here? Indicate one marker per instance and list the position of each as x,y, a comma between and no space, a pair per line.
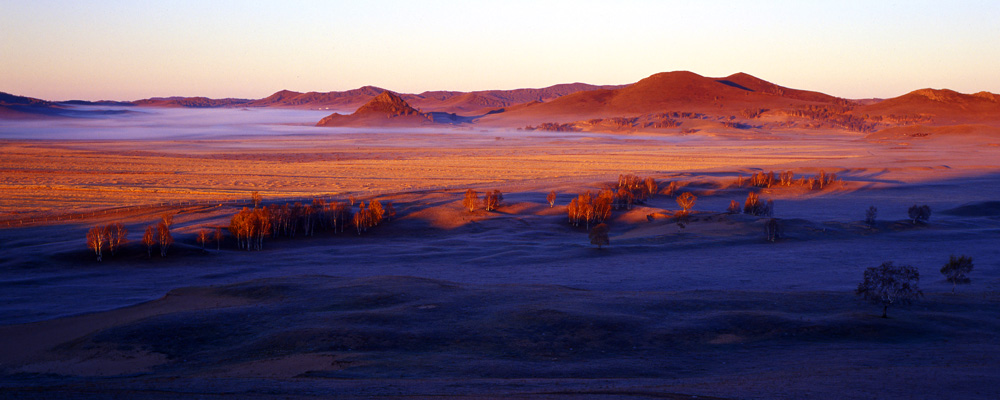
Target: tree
870,215
889,284
599,235
471,198
957,270
218,238
96,237
167,219
920,214
492,199
753,206
651,187
163,237
772,229
734,207
686,200
149,239
377,212
203,237
117,236
256,199
551,198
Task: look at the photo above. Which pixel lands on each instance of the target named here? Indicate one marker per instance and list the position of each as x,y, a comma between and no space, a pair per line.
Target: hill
941,106
671,92
386,109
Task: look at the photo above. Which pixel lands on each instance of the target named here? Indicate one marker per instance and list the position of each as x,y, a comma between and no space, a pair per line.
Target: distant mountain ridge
739,100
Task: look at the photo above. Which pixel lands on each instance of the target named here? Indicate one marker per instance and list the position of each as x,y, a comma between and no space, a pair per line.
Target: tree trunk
885,307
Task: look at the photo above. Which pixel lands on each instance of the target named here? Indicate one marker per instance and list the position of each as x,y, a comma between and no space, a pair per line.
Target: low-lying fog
167,123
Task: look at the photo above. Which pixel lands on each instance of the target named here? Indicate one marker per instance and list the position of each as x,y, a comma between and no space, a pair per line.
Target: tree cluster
587,209
754,206
113,236
787,178
632,189
159,235
491,199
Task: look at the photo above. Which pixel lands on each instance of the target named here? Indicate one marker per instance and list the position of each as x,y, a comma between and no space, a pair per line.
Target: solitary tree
96,237
889,284
203,237
870,215
686,201
471,198
149,239
599,235
551,198
957,270
920,214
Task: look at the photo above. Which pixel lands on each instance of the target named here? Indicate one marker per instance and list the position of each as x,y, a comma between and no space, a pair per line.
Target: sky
128,50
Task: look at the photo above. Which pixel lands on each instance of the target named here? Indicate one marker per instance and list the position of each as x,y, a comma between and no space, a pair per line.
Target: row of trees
787,178
250,226
114,237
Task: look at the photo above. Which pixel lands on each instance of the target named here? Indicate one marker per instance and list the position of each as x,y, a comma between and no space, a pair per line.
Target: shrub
734,207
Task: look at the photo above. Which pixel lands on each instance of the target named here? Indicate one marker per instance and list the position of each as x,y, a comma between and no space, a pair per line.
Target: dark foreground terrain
323,337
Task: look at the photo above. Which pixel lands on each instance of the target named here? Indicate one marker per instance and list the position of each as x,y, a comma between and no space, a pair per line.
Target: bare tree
957,270
551,198
203,237
167,219
256,199
686,200
471,198
96,238
117,237
149,239
218,238
163,237
599,235
870,215
889,284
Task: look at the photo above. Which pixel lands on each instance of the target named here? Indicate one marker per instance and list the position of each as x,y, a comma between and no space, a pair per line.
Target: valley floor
440,302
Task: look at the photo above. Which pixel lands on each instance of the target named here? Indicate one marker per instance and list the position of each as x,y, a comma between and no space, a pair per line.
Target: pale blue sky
127,50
